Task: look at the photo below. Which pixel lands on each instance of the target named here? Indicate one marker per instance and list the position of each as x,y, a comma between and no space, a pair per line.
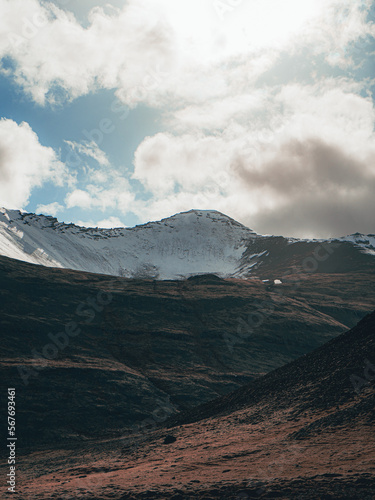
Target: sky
115,113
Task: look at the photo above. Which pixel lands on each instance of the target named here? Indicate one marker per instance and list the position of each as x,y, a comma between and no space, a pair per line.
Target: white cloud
116,195
164,162
160,51
215,114
233,143
109,223
317,145
79,198
51,49
25,164
50,209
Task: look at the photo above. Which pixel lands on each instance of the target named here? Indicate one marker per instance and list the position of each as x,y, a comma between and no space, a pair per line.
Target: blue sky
67,122
116,113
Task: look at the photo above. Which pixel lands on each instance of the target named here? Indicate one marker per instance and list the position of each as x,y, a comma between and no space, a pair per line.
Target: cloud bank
26,164
284,149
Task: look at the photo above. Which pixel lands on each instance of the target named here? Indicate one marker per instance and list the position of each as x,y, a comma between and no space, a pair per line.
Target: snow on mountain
366,242
189,243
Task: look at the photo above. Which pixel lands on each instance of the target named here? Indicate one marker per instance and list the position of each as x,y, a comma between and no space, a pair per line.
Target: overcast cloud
287,151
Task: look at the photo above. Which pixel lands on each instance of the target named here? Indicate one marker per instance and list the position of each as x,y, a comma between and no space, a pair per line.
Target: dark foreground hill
326,379
304,431
95,356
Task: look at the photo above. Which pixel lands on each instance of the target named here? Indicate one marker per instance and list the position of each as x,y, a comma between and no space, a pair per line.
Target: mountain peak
188,243
185,244
206,215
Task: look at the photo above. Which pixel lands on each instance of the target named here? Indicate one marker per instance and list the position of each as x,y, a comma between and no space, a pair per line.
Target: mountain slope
330,377
303,431
142,343
186,244
189,243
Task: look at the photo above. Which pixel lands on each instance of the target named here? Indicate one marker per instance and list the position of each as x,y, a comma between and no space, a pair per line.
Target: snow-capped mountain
189,243
366,242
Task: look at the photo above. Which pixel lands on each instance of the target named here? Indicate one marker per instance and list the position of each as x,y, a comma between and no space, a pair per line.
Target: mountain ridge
183,245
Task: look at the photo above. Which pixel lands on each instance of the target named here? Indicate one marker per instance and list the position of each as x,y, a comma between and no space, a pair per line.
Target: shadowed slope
301,431
139,345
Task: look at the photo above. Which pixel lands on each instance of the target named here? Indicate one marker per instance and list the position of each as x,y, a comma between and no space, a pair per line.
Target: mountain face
125,379
186,244
304,431
95,355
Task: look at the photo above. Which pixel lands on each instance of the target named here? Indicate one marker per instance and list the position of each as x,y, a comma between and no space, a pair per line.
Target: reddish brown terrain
147,359
301,431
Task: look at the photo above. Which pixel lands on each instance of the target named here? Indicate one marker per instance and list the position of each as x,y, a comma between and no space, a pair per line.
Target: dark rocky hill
303,431
94,355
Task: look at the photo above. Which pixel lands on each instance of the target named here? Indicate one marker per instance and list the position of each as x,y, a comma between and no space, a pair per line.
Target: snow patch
188,243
